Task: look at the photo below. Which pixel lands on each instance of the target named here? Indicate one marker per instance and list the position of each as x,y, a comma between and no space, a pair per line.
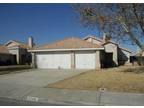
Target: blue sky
45,22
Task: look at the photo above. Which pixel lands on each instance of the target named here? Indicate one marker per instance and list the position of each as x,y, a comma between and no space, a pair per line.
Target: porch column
18,58
33,64
72,60
97,60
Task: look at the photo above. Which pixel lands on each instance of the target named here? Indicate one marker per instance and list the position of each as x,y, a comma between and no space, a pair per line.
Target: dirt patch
122,79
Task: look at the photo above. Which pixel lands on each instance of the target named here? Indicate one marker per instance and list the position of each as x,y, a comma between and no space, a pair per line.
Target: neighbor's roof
125,49
118,46
19,44
104,43
68,43
3,50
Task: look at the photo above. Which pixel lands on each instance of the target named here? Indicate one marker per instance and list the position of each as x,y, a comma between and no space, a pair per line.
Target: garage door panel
85,60
54,61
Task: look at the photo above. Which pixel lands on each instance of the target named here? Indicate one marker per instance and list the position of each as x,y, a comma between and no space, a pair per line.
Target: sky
46,23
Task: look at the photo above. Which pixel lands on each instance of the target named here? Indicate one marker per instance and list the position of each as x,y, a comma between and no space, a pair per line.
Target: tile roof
3,50
68,43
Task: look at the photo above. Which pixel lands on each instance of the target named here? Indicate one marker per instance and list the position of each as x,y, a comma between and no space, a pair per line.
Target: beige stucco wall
15,51
112,48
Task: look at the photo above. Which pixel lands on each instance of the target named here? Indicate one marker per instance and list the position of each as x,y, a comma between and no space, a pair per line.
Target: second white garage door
85,60
54,61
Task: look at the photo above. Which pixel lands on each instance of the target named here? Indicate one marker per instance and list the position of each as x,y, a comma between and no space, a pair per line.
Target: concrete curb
42,101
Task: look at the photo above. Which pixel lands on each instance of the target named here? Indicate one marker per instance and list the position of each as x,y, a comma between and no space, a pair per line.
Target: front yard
120,79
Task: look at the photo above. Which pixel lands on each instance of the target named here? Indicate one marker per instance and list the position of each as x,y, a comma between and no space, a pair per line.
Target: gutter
74,49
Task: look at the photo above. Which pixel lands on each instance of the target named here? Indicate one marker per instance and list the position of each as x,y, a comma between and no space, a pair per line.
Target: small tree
122,21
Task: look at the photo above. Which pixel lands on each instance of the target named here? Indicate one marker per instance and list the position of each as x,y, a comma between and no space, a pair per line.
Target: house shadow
122,58
107,60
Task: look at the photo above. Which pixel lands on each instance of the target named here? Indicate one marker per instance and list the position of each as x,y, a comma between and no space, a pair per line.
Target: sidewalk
69,97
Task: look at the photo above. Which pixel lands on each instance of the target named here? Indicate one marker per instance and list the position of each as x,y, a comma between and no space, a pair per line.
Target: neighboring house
75,53
19,50
136,58
5,57
113,55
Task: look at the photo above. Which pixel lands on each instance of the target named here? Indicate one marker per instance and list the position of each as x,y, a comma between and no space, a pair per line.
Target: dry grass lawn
121,79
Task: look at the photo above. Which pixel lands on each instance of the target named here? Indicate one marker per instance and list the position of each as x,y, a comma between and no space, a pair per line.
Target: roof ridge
69,38
93,36
16,42
20,41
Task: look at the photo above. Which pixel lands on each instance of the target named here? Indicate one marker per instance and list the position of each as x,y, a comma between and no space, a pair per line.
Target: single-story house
75,53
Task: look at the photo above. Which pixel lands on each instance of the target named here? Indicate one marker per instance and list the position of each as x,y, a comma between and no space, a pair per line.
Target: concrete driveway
38,77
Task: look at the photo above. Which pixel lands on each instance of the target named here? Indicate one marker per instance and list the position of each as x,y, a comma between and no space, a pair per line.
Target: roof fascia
76,49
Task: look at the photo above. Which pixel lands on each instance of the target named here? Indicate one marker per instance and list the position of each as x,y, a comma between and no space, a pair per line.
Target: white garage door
54,61
85,60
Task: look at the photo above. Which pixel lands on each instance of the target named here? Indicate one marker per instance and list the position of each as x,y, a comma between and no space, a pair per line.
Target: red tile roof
68,43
